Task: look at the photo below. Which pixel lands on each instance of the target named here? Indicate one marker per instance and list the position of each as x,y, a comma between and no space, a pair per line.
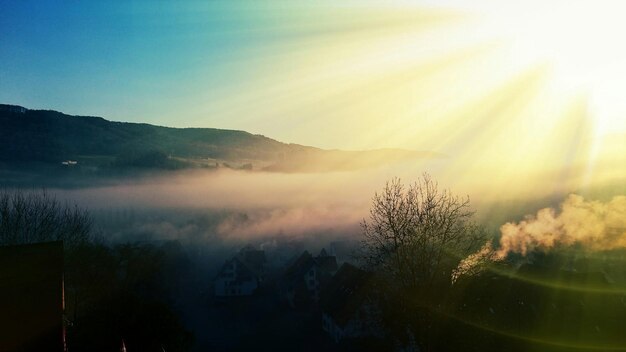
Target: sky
533,85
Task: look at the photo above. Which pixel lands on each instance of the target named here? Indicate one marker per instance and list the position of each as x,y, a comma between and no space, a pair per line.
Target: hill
45,137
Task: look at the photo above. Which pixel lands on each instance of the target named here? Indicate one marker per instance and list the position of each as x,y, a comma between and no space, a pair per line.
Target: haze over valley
234,175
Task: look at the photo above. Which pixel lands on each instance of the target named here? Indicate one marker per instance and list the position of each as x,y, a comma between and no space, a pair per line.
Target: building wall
331,328
31,297
353,328
227,285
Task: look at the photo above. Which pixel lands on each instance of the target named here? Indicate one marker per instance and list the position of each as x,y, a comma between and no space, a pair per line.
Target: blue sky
125,60
190,63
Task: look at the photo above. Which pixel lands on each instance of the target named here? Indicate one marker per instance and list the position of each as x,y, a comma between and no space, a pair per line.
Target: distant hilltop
13,108
52,138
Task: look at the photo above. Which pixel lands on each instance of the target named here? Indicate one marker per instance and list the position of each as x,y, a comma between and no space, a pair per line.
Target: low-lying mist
228,205
254,206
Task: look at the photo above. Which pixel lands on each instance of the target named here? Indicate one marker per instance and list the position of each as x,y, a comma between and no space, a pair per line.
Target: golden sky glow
515,94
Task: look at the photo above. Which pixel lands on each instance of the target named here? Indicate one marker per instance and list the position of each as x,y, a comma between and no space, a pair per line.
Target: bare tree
417,236
30,217
414,239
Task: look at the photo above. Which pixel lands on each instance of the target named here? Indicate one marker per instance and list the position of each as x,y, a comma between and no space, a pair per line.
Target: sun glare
557,101
580,40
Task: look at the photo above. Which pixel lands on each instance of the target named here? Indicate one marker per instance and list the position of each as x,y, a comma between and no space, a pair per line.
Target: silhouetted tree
418,235
414,238
30,217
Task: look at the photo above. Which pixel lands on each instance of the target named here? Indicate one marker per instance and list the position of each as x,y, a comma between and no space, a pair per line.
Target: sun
580,114
581,40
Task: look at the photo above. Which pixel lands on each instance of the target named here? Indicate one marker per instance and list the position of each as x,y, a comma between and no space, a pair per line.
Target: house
305,277
347,310
31,297
242,275
343,249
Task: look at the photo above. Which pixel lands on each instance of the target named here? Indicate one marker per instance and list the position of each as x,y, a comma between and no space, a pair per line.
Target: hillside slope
50,137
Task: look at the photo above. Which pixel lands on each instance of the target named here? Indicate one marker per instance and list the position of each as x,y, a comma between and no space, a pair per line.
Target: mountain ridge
51,137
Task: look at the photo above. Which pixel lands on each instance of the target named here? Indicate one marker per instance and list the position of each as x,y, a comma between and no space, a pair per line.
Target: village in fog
232,175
